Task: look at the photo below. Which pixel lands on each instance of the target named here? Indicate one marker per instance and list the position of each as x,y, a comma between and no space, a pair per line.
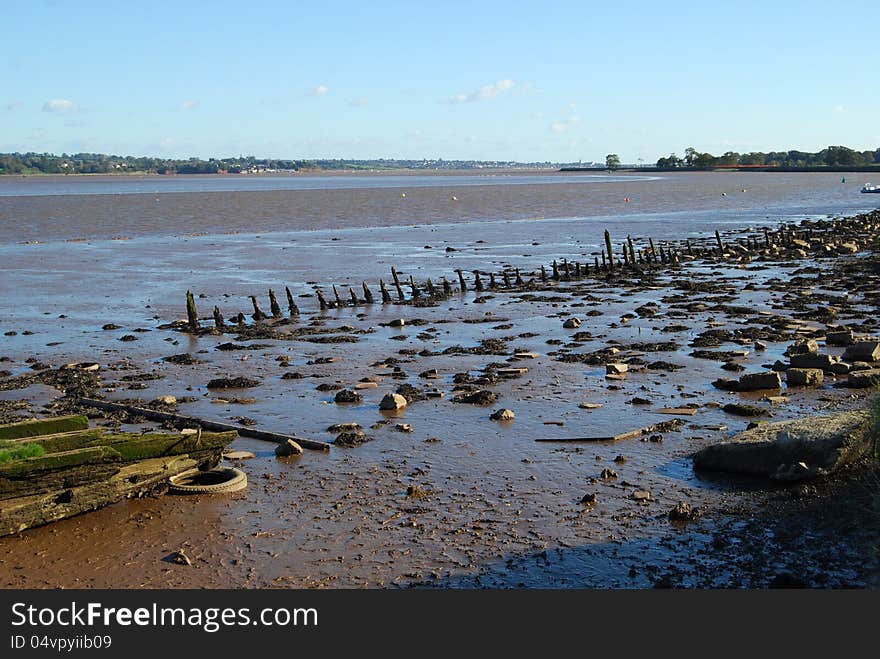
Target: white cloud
840,108
483,93
320,90
190,104
359,102
15,105
60,105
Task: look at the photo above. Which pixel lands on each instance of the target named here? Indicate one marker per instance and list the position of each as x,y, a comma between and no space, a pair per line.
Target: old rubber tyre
229,480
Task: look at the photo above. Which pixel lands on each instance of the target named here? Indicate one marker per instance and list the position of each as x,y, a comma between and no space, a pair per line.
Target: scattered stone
572,323
344,427
347,396
841,337
481,397
503,415
864,351
803,346
392,402
590,406
863,379
808,360
233,383
397,322
403,427
804,377
739,409
287,448
616,368
683,512
238,455
167,400
351,438
180,558
757,381
608,474
589,498
641,495
366,385
620,459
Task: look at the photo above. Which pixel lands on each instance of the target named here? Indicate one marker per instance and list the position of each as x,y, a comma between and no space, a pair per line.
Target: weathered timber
274,307
36,427
192,316
386,296
258,314
218,319
396,279
608,249
368,294
291,305
180,420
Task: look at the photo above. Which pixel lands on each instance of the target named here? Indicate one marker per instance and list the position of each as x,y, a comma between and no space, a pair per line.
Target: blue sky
531,81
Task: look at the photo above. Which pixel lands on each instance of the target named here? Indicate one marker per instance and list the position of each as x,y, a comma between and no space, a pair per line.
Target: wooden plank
678,411
217,426
663,426
36,427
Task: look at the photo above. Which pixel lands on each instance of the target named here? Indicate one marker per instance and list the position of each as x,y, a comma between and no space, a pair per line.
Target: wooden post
604,262
396,279
478,283
218,319
239,319
354,298
596,260
653,251
577,269
336,297
192,315
608,249
632,250
386,296
625,255
506,279
555,271
368,294
291,305
689,248
432,292
258,314
720,244
447,287
566,267
461,280
416,293
519,279
321,301
273,304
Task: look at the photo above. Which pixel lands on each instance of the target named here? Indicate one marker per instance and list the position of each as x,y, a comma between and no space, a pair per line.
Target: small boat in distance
871,188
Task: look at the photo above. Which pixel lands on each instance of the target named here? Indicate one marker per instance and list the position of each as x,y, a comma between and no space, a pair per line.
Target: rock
803,347
799,471
416,492
589,498
287,448
403,427
572,323
847,248
760,346
347,396
232,383
683,512
808,360
620,459
863,379
392,402
481,397
590,406
863,351
827,443
351,438
740,409
608,473
616,368
804,377
641,495
345,427
397,322
841,368
167,400
726,384
841,337
756,381
503,415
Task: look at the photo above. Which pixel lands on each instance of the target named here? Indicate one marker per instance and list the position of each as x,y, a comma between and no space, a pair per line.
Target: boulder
392,402
863,379
289,447
572,323
347,396
802,347
863,351
839,337
804,377
756,381
809,360
616,369
503,415
823,443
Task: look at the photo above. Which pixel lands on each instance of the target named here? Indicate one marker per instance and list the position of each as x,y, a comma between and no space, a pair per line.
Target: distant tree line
832,156
97,163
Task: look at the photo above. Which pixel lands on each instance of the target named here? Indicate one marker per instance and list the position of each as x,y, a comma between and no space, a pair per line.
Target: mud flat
630,355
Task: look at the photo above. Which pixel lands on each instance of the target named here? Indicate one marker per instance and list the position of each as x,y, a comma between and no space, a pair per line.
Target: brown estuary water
497,508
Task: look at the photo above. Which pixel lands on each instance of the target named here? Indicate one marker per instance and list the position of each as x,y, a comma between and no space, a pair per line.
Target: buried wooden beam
192,315
205,424
291,305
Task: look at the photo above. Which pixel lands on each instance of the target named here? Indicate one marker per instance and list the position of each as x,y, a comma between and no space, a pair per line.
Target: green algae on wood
37,427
